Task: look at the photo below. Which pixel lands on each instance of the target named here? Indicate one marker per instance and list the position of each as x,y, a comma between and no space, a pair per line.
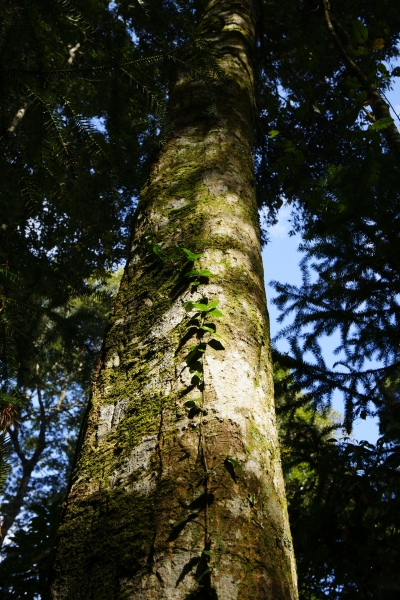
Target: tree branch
19,115
13,433
378,105
28,465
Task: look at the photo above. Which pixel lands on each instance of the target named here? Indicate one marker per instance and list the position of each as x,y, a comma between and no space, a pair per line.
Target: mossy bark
168,501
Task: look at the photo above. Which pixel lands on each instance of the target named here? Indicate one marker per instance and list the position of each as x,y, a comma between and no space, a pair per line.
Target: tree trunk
178,491
28,466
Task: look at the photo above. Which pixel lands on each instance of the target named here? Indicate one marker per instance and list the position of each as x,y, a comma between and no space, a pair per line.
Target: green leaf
381,124
219,541
217,335
196,541
359,52
288,145
382,68
273,133
192,402
188,306
396,72
360,32
190,255
196,273
215,313
207,329
212,304
177,523
157,250
200,306
193,273
197,374
234,462
208,552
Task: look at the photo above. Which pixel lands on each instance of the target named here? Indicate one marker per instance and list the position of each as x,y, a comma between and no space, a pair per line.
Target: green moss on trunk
171,502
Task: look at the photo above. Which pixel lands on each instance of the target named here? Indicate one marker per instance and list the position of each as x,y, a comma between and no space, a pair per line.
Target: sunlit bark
168,501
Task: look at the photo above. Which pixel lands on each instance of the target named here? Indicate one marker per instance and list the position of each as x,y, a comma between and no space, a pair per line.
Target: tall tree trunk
174,497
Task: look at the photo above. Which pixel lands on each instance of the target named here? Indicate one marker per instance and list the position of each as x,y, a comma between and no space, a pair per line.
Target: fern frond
155,99
86,130
146,61
74,15
53,124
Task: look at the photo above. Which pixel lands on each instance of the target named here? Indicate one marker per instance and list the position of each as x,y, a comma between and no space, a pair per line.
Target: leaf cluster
311,104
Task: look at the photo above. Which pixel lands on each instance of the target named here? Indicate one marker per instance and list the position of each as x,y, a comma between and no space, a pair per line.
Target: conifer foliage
343,500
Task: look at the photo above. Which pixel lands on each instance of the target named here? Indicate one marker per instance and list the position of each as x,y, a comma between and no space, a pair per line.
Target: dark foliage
27,561
351,273
307,92
343,502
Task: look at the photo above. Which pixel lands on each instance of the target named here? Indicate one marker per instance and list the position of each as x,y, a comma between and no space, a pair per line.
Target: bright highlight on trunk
178,491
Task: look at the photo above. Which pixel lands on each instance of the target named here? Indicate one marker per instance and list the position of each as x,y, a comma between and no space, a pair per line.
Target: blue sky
281,263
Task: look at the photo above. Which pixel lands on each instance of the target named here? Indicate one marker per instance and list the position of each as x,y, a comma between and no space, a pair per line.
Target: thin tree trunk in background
28,465
14,507
169,501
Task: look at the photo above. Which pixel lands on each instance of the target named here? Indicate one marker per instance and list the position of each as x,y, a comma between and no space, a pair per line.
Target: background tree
27,559
43,442
53,391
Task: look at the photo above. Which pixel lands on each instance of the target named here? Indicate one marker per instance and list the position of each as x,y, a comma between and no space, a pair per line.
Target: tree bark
175,499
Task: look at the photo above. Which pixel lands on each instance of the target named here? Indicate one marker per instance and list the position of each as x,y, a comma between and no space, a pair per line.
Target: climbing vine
201,315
